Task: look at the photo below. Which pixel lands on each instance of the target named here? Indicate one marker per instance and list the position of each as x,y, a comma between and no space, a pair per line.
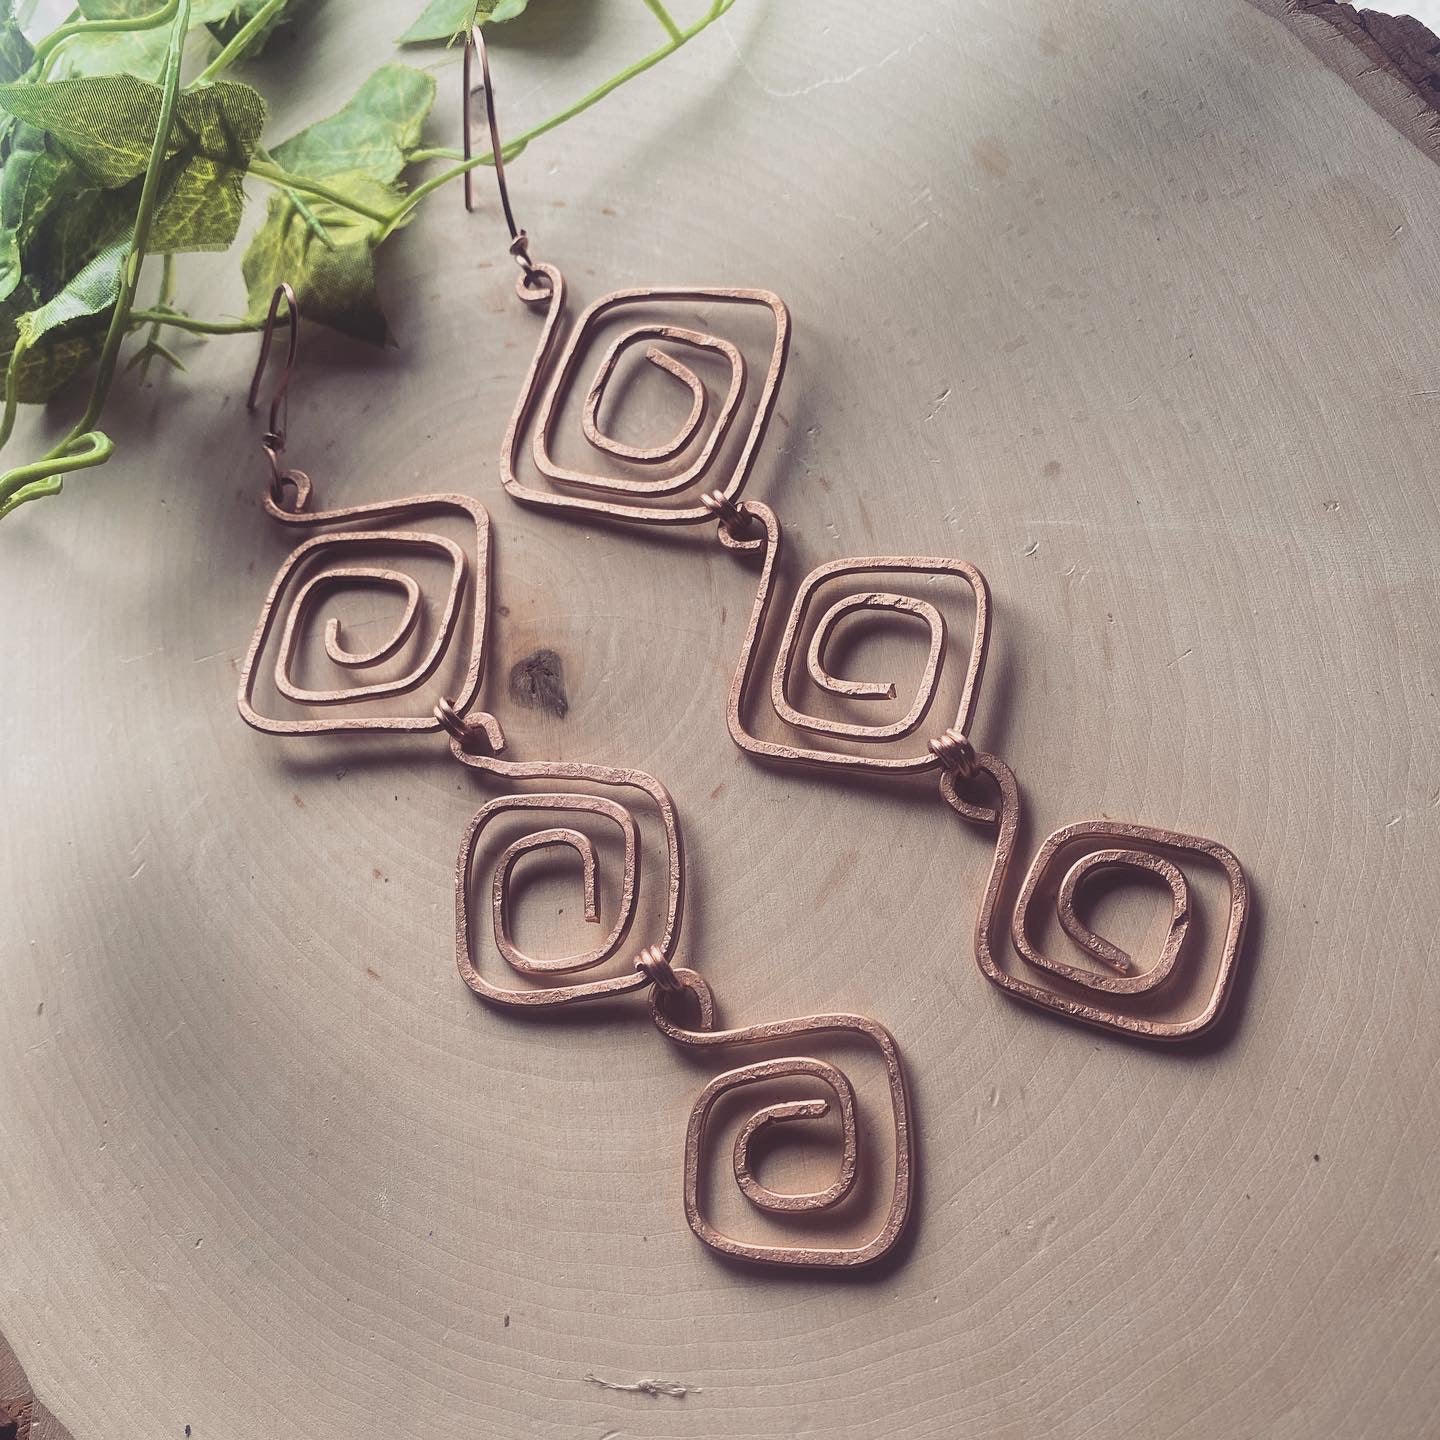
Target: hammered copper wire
705,1037
542,402
744,683
1125,981
657,969
956,755
324,546
335,646
575,802
885,600
871,689
733,520
690,426
773,1201
1079,1006
584,847
375,577
654,454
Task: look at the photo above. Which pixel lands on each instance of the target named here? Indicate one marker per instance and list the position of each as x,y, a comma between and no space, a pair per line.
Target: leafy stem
46,476
269,171
240,41
12,388
166,295
391,220
298,186
663,16
52,42
513,147
140,239
178,320
344,172
153,345
262,156
82,447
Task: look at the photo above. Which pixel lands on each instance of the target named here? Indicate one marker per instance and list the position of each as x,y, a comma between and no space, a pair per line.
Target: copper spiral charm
947,752
328,562
703,1037
1115,1001
641,482
618,941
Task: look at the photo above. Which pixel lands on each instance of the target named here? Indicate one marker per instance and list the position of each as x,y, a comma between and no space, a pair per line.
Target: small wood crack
674,1389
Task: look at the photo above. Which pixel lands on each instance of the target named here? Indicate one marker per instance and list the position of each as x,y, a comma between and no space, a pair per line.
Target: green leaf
105,122
34,179
105,125
15,52
94,289
53,360
326,251
137,52
11,267
443,20
202,12
376,132
134,52
75,232
215,132
125,9
334,283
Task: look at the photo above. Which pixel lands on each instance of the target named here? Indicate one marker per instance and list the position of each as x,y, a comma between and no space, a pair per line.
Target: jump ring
955,753
735,520
520,250
451,719
656,968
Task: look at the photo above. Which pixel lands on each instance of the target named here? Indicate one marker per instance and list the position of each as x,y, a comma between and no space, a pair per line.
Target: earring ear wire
273,441
519,240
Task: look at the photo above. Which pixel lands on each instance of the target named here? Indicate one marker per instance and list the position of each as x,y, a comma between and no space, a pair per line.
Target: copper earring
321,564
439,649
646,480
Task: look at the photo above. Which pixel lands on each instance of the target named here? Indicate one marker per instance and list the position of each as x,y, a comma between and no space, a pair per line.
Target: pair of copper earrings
698,476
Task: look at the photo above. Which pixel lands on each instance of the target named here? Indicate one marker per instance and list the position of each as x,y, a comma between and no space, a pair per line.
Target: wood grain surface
1126,304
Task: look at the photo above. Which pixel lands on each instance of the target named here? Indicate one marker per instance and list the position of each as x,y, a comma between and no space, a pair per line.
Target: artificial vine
107,160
